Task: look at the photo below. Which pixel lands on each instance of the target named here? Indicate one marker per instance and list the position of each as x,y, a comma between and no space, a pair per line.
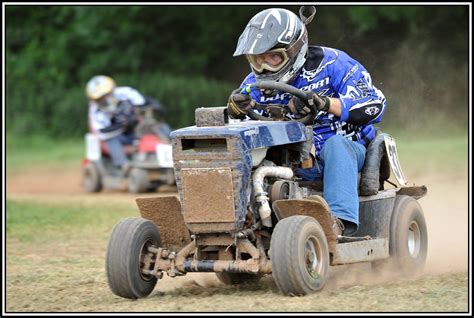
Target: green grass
415,151
443,154
35,221
450,142
24,153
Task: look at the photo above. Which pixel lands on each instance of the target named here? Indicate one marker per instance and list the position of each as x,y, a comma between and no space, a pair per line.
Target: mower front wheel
128,256
91,178
300,255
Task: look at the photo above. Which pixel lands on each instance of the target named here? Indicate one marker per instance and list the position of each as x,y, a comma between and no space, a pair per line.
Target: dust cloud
446,213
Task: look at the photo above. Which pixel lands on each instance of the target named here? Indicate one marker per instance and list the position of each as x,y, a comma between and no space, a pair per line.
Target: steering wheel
281,110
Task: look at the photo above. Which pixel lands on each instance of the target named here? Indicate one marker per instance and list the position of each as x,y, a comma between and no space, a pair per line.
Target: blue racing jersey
333,73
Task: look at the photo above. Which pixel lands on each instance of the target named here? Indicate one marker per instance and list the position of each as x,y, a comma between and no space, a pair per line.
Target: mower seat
376,167
375,171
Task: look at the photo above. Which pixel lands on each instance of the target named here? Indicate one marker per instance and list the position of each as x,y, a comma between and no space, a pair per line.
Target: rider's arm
335,106
101,124
97,119
125,93
358,102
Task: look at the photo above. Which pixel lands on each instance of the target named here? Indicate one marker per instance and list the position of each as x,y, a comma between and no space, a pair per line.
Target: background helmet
280,31
99,86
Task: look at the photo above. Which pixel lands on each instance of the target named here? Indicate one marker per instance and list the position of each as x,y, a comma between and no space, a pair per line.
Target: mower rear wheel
138,181
408,245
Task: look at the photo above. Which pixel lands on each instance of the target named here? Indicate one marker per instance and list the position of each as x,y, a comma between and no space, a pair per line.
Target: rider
275,43
112,115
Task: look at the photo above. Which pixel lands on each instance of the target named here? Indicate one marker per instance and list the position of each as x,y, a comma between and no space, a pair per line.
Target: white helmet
279,32
99,86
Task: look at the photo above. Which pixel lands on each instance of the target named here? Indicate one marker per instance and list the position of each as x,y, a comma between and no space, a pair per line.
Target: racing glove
311,101
239,104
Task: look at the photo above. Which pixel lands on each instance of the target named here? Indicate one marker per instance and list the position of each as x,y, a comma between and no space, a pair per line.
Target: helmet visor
272,60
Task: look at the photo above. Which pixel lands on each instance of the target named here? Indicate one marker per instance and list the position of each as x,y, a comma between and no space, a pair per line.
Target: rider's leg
343,159
116,151
127,139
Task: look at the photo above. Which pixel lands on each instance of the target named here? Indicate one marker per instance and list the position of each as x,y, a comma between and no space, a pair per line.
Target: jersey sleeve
250,78
125,93
97,120
101,125
362,103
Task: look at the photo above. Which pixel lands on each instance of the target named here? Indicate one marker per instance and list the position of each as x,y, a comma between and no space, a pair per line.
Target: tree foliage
182,54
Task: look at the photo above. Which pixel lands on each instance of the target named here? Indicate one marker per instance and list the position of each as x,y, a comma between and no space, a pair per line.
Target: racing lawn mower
151,163
241,212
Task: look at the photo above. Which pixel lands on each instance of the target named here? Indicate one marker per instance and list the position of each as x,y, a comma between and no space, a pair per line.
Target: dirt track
445,207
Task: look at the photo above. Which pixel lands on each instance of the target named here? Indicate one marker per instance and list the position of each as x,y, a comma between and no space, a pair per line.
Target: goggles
272,60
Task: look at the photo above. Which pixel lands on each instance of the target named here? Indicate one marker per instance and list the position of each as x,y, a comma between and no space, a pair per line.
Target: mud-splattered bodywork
213,166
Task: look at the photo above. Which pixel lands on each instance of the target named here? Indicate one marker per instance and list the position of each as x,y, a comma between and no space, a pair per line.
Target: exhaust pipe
261,196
